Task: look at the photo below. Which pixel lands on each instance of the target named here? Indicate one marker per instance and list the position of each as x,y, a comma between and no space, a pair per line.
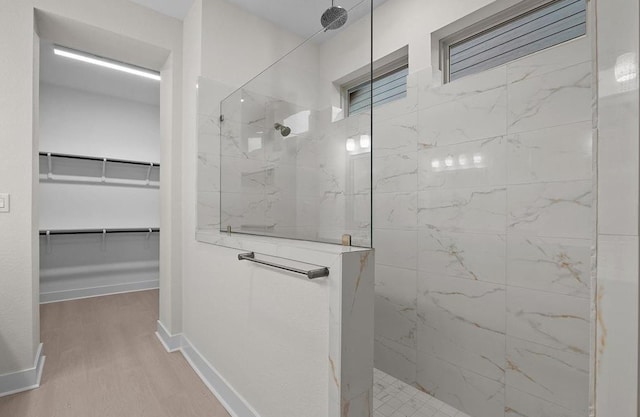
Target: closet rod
95,158
97,231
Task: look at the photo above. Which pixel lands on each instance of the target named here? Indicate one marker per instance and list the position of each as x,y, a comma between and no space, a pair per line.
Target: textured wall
19,334
19,314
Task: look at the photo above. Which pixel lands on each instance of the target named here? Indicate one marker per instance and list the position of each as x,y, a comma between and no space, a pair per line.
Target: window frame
479,22
380,71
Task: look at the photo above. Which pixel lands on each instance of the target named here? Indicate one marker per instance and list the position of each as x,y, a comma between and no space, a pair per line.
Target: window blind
388,87
541,28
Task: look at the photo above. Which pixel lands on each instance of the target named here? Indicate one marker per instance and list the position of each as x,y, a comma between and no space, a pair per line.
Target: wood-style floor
103,359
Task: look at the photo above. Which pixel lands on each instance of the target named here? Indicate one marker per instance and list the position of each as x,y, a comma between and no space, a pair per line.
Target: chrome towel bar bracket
311,274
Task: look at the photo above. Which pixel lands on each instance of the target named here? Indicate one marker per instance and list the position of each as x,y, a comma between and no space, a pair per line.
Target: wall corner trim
171,343
232,401
24,380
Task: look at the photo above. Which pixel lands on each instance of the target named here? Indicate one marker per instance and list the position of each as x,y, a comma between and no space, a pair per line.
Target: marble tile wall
305,185
350,286
616,367
483,234
482,228
395,233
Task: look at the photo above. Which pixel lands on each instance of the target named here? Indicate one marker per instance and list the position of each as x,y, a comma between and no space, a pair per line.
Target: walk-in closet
99,191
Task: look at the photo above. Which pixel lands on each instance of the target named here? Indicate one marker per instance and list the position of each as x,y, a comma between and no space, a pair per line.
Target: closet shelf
96,170
98,231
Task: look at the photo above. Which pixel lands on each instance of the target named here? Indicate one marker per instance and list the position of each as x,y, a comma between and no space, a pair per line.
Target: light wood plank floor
104,360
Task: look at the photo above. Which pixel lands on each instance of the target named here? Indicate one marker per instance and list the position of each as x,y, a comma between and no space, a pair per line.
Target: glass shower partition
293,163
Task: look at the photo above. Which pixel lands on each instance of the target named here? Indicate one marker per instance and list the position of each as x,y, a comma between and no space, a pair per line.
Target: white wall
82,206
19,318
237,45
19,321
82,123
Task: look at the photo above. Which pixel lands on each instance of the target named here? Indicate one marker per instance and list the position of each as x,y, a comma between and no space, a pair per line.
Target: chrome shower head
284,130
334,17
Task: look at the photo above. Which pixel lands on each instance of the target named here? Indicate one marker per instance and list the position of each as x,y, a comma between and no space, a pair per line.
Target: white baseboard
24,380
75,294
170,342
232,401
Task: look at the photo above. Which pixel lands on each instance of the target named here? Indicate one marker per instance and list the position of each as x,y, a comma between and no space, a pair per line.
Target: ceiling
298,16
303,16
173,8
78,75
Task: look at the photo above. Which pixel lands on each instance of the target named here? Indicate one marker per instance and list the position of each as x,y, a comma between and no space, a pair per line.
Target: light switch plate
4,203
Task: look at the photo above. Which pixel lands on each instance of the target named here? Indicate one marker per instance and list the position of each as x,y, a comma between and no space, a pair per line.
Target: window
546,26
389,84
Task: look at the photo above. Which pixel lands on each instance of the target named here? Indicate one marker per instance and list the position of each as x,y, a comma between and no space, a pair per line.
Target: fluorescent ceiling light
90,59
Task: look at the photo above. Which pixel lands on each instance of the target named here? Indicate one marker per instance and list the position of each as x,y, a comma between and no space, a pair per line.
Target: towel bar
311,274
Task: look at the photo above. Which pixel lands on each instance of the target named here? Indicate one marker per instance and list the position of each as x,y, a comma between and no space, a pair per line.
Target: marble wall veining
482,225
483,234
395,233
347,364
304,185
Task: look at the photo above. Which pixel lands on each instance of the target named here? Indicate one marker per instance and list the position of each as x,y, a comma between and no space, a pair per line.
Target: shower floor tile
394,398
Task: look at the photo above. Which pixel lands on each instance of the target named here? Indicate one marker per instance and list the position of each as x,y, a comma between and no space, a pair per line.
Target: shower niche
286,167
